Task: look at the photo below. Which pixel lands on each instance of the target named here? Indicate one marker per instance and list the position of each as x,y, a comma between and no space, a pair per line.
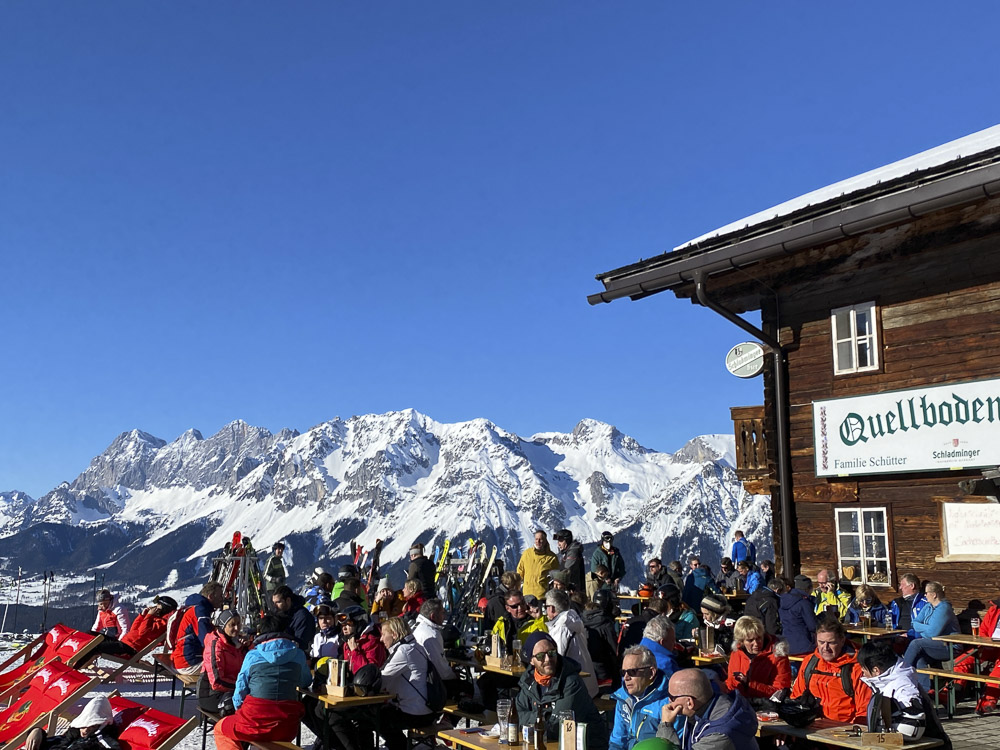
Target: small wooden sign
567,735
881,739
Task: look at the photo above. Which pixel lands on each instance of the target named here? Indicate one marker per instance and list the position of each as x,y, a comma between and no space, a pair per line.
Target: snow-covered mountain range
152,513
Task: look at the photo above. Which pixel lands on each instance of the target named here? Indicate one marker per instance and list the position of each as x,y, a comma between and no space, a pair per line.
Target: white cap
97,713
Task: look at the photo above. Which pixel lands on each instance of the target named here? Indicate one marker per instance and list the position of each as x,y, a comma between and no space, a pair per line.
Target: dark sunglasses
634,672
519,605
677,697
543,655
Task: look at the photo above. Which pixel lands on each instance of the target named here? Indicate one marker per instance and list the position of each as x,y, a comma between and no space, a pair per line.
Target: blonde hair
747,627
412,586
396,627
864,591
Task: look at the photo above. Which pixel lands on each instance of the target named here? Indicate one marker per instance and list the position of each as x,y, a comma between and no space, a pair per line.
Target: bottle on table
540,730
513,725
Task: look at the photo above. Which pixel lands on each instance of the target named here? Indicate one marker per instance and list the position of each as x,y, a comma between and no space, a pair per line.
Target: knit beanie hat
224,616
803,583
530,642
714,604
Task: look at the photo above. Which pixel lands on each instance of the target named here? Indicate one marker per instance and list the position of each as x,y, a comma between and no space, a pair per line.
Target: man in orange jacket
833,675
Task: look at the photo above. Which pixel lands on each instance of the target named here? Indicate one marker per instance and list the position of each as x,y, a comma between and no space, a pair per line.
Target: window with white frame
855,343
863,545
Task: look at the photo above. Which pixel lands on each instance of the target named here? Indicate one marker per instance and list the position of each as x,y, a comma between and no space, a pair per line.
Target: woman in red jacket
360,645
225,649
759,666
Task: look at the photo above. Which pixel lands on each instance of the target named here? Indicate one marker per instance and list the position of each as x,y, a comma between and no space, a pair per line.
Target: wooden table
827,732
737,595
711,660
633,597
872,631
342,702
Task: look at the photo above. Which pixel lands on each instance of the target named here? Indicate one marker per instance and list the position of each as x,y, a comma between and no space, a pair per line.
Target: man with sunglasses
640,699
708,721
516,624
551,685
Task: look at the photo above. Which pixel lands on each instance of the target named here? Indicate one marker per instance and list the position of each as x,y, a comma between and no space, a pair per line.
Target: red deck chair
51,691
155,730
44,650
77,647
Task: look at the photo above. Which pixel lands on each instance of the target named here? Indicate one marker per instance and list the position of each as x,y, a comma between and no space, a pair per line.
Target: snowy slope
161,510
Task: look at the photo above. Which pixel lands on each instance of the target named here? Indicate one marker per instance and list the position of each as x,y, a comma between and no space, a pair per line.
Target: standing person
112,619
194,627
798,620
697,584
223,659
299,622
404,674
676,572
274,568
937,618
571,558
759,665
608,555
743,549
833,675
535,565
570,635
710,721
640,700
422,569
266,695
550,685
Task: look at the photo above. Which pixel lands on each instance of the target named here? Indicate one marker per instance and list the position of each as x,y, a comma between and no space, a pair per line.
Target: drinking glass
974,623
888,620
503,718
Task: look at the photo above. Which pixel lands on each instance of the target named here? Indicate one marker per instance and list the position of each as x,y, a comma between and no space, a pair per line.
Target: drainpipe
781,418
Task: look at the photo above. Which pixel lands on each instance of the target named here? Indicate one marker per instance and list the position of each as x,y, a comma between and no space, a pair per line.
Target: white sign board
971,531
937,428
746,360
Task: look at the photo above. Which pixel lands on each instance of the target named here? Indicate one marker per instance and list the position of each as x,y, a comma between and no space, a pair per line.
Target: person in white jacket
427,633
112,619
405,675
570,635
897,704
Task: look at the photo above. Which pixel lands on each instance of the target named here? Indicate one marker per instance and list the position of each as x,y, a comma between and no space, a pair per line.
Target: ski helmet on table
368,680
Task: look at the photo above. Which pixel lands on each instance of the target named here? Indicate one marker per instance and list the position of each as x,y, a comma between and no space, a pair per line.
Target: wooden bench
421,733
945,674
604,704
164,665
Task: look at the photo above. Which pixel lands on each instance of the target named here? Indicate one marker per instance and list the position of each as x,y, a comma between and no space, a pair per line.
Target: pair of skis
360,557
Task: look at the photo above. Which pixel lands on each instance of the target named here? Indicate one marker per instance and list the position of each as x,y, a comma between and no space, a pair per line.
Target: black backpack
846,670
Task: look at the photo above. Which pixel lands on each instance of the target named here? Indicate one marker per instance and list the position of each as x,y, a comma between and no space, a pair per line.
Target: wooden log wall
936,284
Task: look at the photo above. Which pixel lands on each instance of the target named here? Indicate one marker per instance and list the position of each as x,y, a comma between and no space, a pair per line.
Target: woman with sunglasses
866,604
551,684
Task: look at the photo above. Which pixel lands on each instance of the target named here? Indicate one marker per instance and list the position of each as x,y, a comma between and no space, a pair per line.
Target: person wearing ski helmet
359,642
274,568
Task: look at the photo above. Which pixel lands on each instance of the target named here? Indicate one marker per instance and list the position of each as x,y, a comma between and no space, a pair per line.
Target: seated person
112,619
359,640
866,604
831,667
495,607
681,615
635,626
750,579
149,625
350,594
320,592
602,637
989,628
897,704
266,696
515,625
388,602
704,719
658,637
413,598
428,632
798,618
936,618
728,577
536,607
299,621
404,674
552,683
831,593
758,666
194,627
326,642
93,729
765,604
225,649
567,630
715,612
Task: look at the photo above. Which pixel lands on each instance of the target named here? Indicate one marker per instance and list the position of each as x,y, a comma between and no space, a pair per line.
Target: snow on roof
970,145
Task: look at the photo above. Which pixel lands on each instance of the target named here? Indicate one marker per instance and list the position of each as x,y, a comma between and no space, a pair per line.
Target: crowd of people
560,615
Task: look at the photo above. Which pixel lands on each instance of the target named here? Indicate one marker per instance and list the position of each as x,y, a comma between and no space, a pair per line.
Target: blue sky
286,212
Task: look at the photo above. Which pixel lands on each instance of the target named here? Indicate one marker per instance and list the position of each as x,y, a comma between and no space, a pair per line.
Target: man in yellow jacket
829,593
535,565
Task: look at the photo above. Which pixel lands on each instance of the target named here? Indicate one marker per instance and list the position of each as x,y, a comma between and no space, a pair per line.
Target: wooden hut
879,435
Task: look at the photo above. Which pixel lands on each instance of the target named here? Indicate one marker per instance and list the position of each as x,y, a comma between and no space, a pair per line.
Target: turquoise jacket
639,719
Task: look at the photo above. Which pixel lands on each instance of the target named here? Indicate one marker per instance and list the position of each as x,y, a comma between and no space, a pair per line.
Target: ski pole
18,601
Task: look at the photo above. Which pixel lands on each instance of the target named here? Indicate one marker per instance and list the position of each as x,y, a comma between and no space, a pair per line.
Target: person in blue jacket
699,718
866,602
936,618
743,549
659,638
640,700
750,578
696,584
798,620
